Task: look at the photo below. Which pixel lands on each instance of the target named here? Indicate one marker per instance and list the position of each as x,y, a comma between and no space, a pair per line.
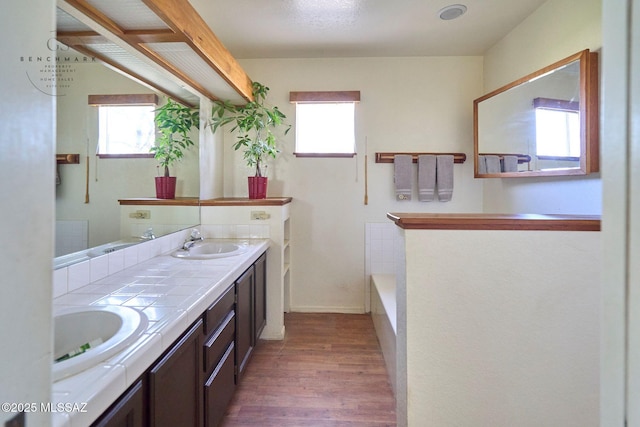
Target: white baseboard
322,309
272,335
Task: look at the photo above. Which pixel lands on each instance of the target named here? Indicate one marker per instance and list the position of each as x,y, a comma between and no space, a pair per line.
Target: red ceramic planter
257,187
166,187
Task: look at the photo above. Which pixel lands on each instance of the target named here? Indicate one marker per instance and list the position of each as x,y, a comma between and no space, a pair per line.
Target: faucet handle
148,234
195,234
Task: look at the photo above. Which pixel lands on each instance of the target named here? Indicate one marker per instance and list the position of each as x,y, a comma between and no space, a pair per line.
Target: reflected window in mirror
126,126
557,129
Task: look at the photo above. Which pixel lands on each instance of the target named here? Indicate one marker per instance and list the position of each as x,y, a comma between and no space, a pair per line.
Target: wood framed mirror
544,124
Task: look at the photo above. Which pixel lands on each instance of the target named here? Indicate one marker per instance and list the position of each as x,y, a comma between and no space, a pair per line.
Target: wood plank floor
328,371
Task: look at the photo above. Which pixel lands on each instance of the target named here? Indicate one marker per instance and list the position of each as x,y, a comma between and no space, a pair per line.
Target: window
126,126
325,123
557,129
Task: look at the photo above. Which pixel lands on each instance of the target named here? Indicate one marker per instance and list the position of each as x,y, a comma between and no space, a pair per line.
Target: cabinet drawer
219,310
217,343
219,389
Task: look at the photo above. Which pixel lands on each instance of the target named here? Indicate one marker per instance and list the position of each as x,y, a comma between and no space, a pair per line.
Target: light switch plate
259,215
140,214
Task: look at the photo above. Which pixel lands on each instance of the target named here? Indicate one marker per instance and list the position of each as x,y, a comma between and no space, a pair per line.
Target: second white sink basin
209,249
104,330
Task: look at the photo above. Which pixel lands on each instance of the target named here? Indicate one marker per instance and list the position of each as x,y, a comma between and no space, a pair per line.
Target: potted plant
255,123
174,122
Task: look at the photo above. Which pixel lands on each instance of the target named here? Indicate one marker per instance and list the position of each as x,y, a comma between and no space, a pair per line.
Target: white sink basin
109,330
209,249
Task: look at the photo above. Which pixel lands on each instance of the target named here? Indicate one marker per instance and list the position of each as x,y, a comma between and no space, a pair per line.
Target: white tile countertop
172,293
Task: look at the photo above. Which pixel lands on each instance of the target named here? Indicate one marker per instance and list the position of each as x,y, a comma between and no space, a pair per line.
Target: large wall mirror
544,124
88,212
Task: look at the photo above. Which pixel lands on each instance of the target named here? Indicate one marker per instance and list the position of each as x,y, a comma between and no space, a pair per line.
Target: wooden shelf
152,201
243,201
424,221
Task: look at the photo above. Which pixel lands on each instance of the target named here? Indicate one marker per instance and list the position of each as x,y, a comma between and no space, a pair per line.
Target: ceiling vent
452,12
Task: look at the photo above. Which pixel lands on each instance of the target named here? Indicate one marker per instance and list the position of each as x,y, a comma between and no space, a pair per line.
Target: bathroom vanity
205,317
195,379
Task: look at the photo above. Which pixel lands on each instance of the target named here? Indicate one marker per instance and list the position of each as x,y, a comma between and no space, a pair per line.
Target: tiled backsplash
71,236
381,244
75,276
236,231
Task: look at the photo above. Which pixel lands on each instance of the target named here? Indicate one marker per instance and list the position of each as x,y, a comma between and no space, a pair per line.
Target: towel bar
388,157
67,159
522,158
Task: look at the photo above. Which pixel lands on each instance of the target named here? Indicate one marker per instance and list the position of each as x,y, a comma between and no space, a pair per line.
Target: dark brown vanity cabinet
260,318
251,311
128,411
169,394
175,383
219,357
192,383
244,321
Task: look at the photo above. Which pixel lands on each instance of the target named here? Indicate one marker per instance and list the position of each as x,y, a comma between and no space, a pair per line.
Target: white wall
211,156
558,28
408,104
109,179
502,328
27,194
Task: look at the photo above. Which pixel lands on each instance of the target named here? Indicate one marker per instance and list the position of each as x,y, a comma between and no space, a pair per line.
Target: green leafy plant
174,122
255,123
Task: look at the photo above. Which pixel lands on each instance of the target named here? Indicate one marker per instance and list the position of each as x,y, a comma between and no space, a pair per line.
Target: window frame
319,97
557,105
143,99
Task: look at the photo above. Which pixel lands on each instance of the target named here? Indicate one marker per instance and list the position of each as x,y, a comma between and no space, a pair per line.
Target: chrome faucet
148,235
195,237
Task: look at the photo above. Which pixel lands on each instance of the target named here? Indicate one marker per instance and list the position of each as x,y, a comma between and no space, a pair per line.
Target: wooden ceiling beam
153,36
184,25
73,38
184,19
81,38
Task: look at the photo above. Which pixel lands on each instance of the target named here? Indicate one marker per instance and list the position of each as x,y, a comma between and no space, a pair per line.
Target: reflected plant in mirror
544,124
82,228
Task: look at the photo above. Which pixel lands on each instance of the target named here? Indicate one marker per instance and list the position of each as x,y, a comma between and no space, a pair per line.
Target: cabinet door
219,389
175,383
128,411
244,320
260,293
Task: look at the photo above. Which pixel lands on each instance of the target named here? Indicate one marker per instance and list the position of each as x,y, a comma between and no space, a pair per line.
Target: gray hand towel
482,164
493,164
444,177
402,175
510,164
426,178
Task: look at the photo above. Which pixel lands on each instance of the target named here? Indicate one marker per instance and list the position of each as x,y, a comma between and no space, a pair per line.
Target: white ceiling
359,28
